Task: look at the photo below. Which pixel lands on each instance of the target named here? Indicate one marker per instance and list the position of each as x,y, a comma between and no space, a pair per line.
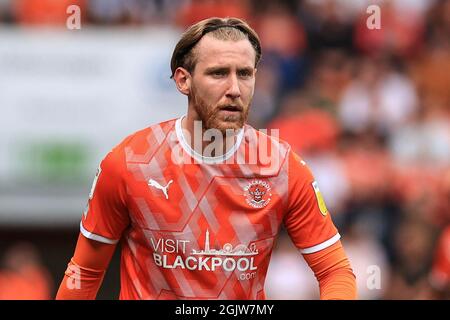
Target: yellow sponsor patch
322,207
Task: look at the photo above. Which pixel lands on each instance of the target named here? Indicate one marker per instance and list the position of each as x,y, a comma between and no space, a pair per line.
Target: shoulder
138,143
148,137
266,138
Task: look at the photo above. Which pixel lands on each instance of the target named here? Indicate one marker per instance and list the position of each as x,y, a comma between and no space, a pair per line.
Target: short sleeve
307,219
106,213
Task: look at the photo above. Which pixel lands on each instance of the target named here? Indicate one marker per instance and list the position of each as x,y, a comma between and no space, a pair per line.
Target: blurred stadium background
369,110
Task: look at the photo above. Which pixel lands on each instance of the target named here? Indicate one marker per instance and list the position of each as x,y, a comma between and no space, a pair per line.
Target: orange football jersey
194,227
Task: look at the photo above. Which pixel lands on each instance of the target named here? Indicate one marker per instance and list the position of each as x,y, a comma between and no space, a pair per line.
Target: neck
207,143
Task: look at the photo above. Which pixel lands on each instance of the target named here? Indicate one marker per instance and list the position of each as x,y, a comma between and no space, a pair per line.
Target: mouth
231,108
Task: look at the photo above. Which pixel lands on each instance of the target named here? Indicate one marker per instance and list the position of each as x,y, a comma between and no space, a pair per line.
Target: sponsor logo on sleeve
322,207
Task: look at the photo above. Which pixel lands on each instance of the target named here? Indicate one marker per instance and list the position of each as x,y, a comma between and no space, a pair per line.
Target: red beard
211,116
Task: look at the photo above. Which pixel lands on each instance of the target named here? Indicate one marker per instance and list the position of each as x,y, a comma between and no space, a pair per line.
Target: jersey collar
197,156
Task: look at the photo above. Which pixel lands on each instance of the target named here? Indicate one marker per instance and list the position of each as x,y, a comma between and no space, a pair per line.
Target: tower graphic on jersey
227,249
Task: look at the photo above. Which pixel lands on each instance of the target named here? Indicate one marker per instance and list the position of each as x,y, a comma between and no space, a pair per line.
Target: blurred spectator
440,273
369,172
108,11
431,74
6,14
379,96
442,215
313,134
45,12
367,166
438,23
425,139
368,260
196,10
264,104
297,284
274,20
23,277
327,22
401,31
420,7
308,130
133,12
424,193
329,75
286,51
413,242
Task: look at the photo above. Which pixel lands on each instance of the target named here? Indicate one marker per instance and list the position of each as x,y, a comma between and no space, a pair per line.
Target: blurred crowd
368,110
23,276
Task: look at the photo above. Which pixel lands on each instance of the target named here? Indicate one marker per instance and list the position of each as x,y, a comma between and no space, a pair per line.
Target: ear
182,79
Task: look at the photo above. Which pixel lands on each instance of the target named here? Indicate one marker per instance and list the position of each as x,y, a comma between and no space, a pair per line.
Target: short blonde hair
220,28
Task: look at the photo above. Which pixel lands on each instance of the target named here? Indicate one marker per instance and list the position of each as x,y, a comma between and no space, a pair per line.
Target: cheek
210,92
248,89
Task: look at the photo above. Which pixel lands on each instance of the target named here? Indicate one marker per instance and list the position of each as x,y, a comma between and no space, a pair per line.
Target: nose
233,91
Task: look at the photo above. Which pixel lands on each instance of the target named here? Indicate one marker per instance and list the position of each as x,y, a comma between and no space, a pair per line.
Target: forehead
210,51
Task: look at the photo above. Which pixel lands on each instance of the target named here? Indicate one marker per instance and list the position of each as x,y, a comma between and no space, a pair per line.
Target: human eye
218,73
245,73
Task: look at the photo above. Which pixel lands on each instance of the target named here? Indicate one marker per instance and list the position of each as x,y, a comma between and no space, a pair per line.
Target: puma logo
155,184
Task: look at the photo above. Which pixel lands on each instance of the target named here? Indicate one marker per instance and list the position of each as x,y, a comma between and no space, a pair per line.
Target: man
198,218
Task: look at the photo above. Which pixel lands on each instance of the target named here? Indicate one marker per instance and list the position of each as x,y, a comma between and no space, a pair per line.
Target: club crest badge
257,193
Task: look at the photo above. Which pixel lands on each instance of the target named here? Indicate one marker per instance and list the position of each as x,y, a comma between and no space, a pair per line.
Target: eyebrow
217,68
